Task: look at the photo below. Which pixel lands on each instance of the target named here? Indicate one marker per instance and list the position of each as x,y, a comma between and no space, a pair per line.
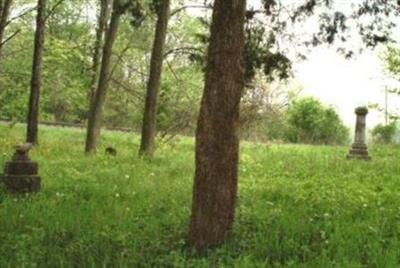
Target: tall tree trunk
217,138
101,28
153,84
5,6
33,114
96,107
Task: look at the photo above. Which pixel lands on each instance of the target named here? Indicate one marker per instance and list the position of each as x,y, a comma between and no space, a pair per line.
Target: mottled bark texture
96,106
98,44
153,84
217,140
5,6
33,113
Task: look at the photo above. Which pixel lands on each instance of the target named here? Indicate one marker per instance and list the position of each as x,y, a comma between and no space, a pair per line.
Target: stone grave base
22,183
359,151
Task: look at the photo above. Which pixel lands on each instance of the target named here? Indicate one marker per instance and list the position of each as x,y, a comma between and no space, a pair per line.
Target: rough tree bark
5,6
217,141
33,113
153,84
96,106
101,28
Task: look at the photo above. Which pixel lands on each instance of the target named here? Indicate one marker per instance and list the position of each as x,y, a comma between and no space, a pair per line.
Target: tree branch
182,50
10,37
24,13
53,9
174,12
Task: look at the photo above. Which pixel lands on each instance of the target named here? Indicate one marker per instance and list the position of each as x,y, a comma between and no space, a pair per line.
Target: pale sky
345,84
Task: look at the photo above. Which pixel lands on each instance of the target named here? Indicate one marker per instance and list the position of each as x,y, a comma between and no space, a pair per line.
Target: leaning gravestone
21,174
359,148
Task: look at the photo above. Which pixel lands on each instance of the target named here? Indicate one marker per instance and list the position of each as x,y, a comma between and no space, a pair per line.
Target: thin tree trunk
101,28
217,139
5,7
153,84
96,107
33,114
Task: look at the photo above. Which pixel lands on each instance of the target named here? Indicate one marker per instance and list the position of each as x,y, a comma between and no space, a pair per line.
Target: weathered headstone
21,174
359,148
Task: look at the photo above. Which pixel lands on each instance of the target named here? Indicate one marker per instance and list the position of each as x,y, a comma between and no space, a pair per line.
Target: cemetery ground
298,206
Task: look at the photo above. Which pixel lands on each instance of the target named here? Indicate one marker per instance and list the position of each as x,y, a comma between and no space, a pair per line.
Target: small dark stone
111,151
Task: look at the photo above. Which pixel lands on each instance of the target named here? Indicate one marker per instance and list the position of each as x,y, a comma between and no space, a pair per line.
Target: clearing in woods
298,206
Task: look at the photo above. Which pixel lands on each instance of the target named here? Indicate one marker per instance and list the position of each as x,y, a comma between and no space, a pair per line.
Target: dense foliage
70,39
311,122
385,133
67,66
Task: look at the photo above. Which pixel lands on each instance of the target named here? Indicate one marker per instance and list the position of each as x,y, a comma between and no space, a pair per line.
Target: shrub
311,122
384,133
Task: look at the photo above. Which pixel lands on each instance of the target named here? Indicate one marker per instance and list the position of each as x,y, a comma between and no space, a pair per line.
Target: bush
310,122
384,134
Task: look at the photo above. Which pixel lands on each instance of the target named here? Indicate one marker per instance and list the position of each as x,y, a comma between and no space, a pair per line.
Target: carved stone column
359,149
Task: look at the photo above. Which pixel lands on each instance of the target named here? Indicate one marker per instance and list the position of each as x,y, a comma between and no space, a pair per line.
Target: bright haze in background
343,84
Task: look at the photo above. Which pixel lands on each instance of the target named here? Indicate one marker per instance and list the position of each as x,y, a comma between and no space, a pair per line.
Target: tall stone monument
21,174
359,148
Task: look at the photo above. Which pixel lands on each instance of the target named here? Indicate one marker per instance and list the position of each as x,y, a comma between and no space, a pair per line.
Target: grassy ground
299,206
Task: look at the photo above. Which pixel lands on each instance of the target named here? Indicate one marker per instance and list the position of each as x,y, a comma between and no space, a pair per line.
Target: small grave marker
359,149
21,174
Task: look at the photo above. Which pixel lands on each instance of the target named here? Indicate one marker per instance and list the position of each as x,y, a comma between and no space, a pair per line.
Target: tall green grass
298,206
